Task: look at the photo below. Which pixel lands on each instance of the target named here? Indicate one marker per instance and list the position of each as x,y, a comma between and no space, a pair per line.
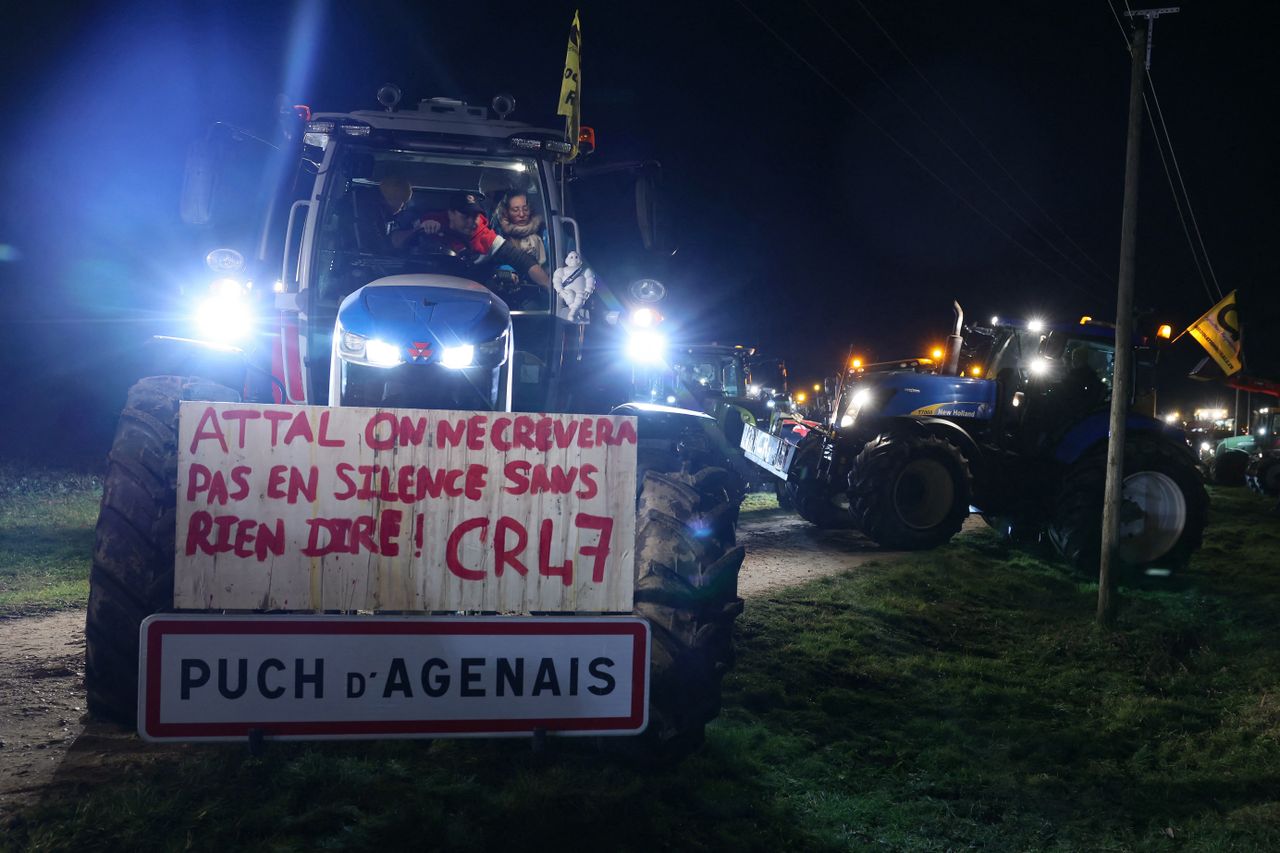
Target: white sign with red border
208,677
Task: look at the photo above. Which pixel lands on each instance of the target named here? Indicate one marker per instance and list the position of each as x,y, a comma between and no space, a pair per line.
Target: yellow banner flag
1218,331
570,105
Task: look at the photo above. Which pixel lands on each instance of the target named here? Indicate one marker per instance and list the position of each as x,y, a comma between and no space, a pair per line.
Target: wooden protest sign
314,508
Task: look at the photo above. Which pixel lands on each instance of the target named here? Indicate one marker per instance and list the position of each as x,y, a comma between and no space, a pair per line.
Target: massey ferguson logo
420,350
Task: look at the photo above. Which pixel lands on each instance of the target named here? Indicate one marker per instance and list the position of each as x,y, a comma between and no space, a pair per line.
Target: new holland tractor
308,302
1014,426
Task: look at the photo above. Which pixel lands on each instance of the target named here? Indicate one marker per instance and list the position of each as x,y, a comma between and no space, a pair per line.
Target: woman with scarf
522,227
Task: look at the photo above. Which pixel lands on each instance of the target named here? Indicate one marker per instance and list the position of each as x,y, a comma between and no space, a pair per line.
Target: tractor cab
1266,429
720,380
1047,376
365,286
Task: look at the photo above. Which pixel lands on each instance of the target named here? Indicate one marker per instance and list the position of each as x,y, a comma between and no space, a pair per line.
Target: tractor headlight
643,318
489,354
458,357
382,354
646,346
860,399
362,350
492,353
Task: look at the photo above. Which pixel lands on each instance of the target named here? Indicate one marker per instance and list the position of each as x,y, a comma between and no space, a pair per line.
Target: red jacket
484,241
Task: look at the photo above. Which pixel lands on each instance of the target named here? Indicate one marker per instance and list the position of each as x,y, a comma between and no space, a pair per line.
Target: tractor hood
425,313
912,394
909,393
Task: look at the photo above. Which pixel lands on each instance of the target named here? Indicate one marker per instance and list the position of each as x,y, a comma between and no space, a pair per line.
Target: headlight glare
458,357
645,346
382,354
645,317
859,399
221,318
226,288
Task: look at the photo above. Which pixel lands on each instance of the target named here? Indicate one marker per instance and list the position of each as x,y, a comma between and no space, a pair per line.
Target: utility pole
1121,381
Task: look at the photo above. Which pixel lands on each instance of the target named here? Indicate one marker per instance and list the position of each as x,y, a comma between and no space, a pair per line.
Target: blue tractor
1012,424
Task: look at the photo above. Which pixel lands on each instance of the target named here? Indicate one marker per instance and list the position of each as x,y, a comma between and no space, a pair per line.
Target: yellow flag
570,105
1218,331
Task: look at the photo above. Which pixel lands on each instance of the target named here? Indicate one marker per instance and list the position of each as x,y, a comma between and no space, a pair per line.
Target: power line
985,148
1195,256
1161,141
910,154
1178,171
938,136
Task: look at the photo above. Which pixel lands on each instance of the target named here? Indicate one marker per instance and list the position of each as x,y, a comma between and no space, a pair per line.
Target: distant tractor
1207,431
1262,474
1013,426
734,384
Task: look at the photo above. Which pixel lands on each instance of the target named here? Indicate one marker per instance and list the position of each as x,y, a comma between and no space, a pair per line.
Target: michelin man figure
574,282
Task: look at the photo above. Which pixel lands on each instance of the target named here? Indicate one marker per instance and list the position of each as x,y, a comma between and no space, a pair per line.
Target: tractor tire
1263,475
783,495
132,572
686,587
1228,469
1158,476
811,495
910,492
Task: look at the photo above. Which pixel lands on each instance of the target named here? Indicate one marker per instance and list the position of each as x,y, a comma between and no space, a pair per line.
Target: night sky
838,191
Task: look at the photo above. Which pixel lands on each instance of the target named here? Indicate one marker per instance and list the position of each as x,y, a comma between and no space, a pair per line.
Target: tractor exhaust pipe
951,355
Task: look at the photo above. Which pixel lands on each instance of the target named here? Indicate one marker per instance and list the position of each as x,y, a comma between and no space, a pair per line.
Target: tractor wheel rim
1161,519
923,493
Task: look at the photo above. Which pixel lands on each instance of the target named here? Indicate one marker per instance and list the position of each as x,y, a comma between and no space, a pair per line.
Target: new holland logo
420,350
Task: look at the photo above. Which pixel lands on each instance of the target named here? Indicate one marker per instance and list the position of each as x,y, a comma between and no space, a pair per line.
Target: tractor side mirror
198,182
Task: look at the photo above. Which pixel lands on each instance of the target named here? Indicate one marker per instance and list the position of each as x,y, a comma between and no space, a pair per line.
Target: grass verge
959,698
46,538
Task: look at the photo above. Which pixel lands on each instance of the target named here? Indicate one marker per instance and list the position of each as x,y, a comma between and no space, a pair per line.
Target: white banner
213,677
314,508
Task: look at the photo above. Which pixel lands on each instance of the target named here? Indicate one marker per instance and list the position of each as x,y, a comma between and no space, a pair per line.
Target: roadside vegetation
957,698
46,538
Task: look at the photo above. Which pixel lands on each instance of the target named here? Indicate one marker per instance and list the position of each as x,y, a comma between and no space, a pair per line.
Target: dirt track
46,742
41,699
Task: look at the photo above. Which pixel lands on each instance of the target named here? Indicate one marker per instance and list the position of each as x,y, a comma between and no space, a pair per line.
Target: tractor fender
170,356
1095,429
948,431
671,438
657,422
680,431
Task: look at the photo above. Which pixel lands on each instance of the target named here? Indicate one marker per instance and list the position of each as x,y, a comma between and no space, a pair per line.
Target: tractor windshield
711,375
1084,356
386,213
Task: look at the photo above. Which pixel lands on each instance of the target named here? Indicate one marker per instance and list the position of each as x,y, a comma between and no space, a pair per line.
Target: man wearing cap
467,229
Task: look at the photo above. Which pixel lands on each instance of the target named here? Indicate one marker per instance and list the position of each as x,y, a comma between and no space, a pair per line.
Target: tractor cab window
704,375
1081,359
732,380
355,243
1011,356
1266,429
